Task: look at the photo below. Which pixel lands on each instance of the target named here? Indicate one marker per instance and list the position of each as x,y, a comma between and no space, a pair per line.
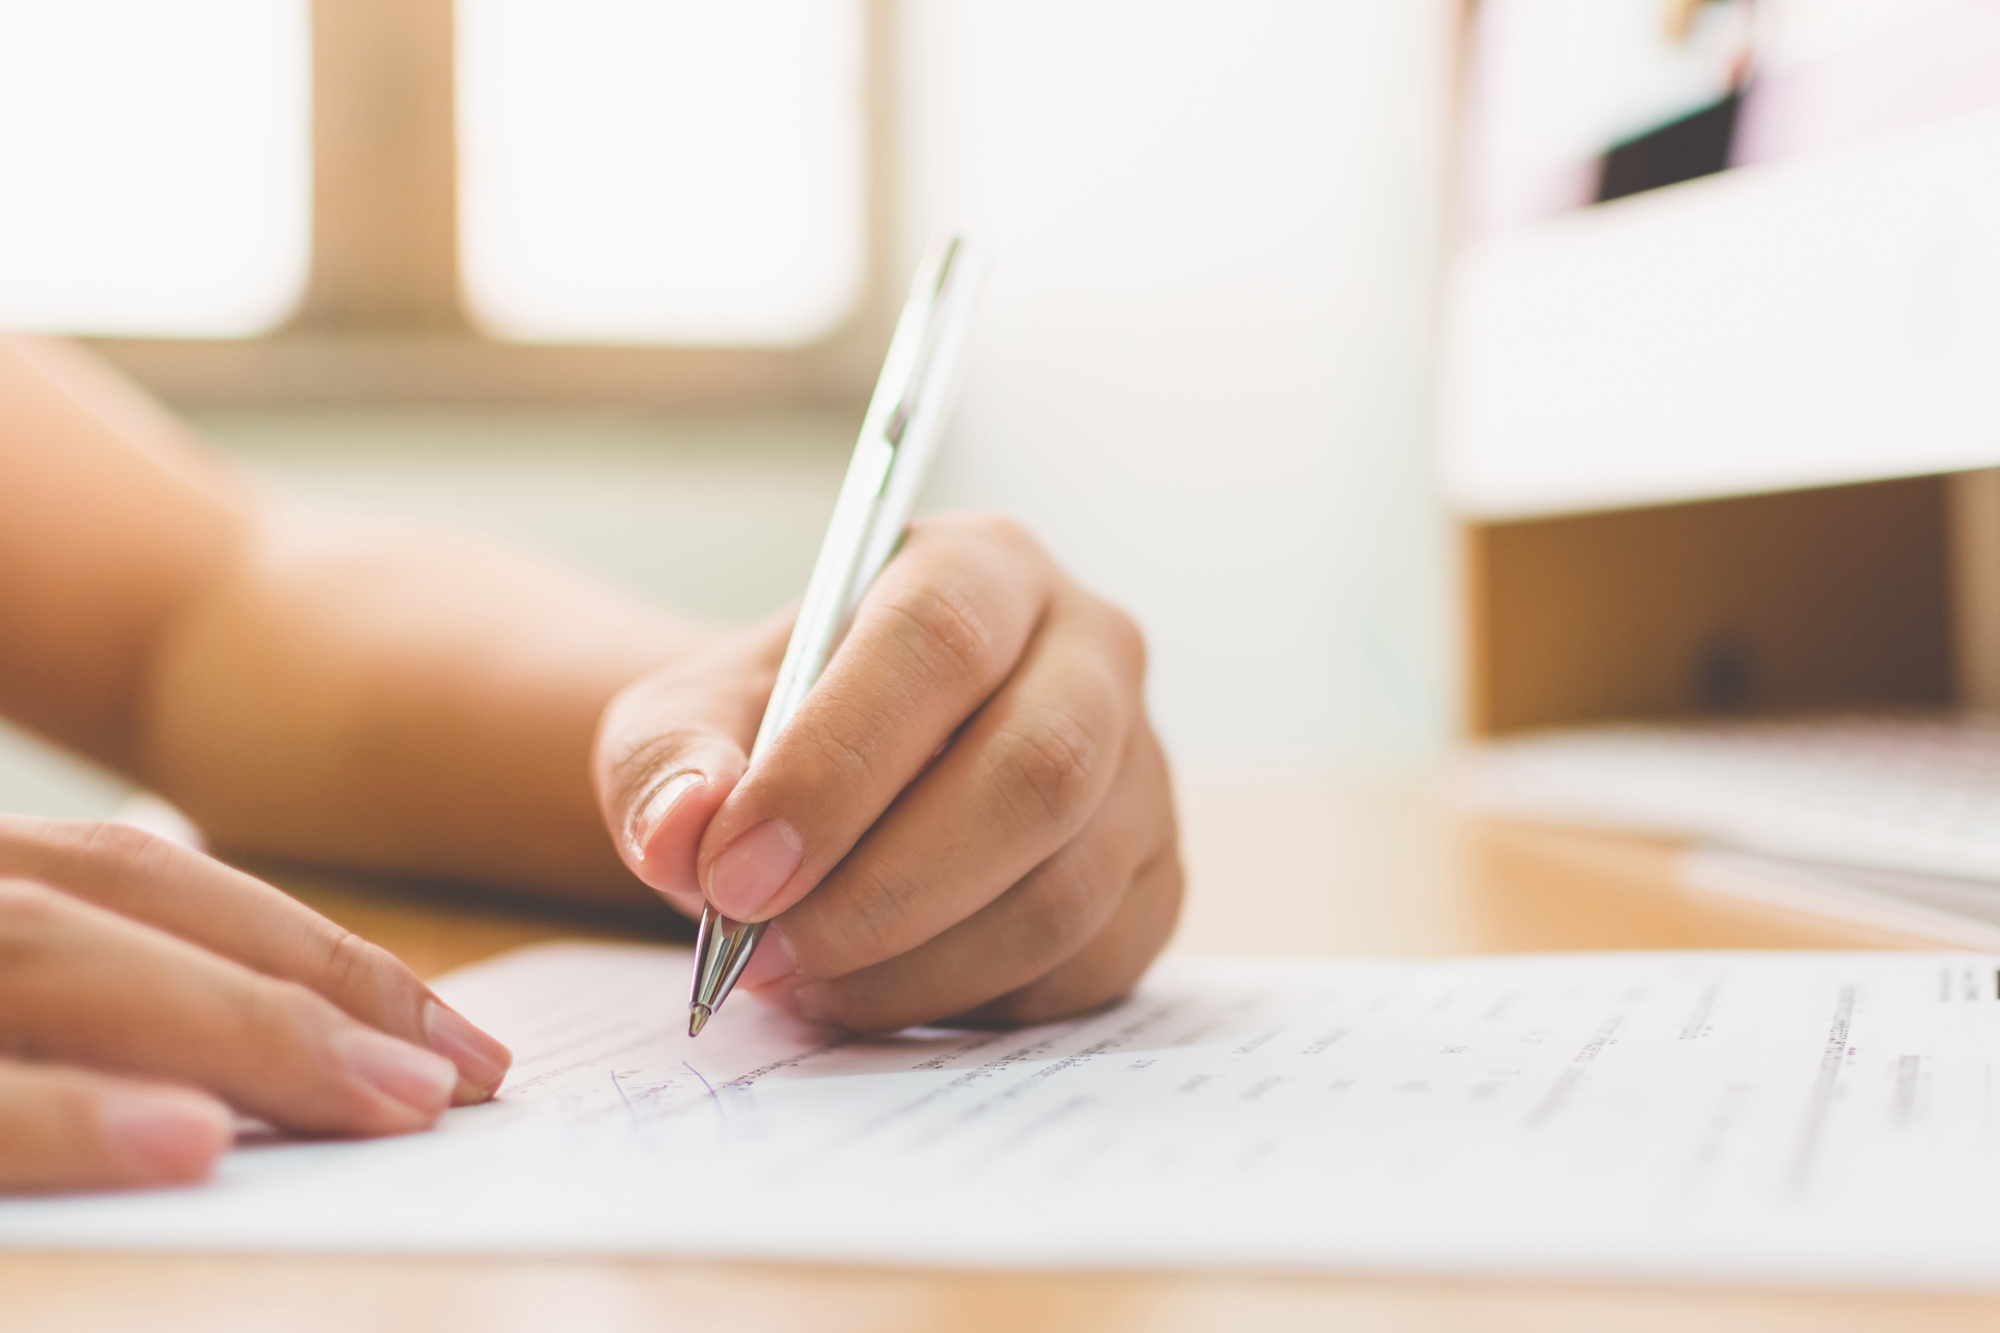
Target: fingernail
773,961
752,869
654,809
400,1071
168,1136
481,1060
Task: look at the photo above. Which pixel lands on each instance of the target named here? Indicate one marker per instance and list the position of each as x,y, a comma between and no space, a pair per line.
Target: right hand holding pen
146,990
969,817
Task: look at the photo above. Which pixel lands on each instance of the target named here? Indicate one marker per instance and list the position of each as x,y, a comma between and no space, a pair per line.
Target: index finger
937,635
199,899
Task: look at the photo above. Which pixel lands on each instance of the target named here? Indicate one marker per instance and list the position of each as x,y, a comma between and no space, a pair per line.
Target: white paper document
1821,1117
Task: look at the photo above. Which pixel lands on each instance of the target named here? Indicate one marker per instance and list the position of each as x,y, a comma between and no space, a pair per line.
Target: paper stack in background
1887,821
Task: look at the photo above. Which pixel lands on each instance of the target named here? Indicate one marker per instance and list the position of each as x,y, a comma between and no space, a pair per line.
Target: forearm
398,700
366,697
111,519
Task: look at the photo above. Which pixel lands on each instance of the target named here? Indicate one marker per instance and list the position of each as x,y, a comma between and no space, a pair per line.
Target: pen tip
697,1018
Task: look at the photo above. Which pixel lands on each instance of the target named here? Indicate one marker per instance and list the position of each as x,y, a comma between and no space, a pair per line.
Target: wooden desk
1347,867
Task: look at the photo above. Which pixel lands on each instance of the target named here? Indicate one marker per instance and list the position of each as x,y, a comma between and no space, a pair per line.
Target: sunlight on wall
661,170
154,165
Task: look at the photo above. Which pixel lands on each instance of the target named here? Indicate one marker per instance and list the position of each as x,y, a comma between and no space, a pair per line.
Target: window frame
382,320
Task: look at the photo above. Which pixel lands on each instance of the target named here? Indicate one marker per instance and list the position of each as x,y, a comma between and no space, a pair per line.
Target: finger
939,632
223,910
84,986
1109,966
1020,782
1060,909
73,1129
669,750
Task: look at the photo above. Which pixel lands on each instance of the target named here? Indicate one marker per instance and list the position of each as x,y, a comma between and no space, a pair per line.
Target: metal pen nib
871,515
721,948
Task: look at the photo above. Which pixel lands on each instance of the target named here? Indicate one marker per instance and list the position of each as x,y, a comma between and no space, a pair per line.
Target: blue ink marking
721,1113
704,1082
620,1089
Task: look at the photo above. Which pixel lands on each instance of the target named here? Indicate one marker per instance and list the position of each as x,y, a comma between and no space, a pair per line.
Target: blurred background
1418,373
611,278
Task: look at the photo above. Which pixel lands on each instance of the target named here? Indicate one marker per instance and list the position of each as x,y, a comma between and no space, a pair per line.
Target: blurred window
663,171
154,165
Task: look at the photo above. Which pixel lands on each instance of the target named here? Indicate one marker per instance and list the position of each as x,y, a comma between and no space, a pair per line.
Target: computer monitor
1722,247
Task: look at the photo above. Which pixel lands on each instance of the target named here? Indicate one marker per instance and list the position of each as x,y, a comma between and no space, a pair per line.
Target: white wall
1201,369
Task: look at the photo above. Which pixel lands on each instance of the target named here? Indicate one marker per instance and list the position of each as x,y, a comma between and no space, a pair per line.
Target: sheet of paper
1816,1117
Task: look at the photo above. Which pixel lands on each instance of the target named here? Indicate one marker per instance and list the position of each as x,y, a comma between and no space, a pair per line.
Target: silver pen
898,436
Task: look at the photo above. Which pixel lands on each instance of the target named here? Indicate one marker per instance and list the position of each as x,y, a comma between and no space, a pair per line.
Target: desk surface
1353,868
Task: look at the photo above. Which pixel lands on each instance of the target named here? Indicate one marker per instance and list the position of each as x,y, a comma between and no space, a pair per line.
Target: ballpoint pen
890,458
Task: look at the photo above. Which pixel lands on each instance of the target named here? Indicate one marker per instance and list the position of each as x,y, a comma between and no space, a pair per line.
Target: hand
146,989
970,817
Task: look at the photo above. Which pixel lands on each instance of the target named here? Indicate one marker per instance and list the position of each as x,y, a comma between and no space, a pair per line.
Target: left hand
146,990
969,818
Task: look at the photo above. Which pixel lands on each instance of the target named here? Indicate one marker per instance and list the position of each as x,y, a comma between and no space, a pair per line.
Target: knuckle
951,638
30,918
1044,761
1061,907
94,859
876,920
131,859
845,758
124,845
358,969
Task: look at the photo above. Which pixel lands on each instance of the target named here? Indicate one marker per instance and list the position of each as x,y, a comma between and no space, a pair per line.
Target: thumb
661,776
670,748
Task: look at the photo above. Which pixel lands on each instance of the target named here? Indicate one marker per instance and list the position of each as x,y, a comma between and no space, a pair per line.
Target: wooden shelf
1827,598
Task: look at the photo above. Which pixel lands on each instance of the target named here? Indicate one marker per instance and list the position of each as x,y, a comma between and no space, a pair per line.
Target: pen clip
906,404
